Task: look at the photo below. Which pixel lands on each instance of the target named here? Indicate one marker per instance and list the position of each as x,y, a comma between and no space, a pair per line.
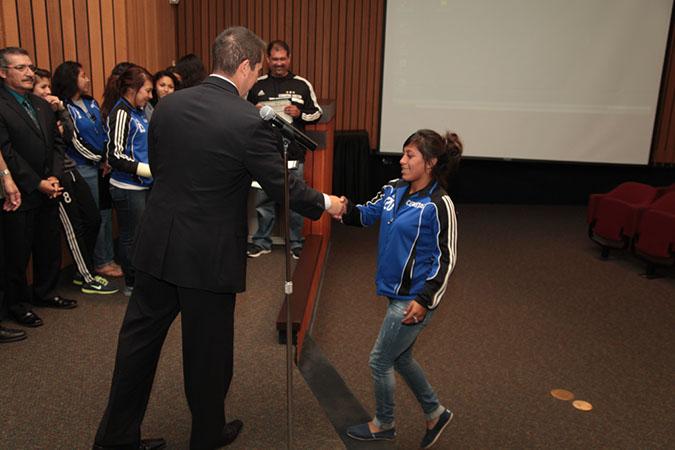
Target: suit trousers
3,277
207,320
33,231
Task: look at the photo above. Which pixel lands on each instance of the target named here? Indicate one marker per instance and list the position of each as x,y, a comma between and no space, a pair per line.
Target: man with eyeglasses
33,150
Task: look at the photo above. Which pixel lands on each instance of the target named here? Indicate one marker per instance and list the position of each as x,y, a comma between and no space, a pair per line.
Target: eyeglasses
21,68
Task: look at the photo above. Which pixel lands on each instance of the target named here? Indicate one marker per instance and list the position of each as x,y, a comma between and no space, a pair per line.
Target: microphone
289,131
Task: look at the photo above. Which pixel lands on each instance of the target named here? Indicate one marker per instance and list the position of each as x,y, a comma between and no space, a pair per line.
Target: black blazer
31,154
206,143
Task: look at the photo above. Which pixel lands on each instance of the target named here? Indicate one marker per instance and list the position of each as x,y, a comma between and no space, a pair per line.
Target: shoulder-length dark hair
134,77
155,78
64,79
191,70
447,150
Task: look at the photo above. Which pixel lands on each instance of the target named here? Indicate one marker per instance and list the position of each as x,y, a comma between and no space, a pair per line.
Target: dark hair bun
453,144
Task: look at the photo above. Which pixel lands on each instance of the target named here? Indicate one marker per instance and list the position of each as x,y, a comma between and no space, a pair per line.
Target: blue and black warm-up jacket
127,145
88,143
417,250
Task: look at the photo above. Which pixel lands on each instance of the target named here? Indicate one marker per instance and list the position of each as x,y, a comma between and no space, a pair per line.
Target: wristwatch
4,172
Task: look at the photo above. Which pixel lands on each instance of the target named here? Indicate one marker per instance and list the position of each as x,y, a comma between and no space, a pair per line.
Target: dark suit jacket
205,145
31,154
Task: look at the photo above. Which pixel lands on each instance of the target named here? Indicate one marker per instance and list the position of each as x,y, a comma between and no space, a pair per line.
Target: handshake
338,206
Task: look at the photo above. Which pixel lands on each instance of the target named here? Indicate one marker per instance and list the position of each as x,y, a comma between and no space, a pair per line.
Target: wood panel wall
335,44
96,33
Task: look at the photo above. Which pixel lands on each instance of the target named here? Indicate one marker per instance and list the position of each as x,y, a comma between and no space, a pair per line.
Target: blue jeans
130,205
266,208
393,351
104,253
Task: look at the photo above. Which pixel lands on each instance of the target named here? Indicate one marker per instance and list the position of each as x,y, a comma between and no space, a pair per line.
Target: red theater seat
661,191
655,238
613,217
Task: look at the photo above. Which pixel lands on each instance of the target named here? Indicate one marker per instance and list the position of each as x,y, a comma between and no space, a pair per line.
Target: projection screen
560,80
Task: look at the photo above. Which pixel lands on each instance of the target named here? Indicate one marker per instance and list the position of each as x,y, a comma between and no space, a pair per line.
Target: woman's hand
414,313
106,167
55,103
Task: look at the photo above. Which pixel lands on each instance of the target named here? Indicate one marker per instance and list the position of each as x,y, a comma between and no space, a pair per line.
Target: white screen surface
565,80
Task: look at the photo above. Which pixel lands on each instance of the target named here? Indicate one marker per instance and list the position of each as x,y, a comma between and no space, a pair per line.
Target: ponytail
133,77
453,153
111,95
447,150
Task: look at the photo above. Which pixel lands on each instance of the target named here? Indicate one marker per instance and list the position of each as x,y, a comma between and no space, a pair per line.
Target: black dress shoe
145,444
27,319
152,444
231,431
58,302
7,335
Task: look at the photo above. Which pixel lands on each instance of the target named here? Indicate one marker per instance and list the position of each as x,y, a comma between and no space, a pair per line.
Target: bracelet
4,172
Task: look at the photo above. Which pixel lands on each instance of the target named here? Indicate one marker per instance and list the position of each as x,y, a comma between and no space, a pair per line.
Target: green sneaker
78,279
99,286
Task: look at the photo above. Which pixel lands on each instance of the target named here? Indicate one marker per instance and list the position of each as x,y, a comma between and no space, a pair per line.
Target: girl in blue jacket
87,149
417,252
127,153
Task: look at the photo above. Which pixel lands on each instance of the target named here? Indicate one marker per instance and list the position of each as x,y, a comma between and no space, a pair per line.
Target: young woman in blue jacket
87,148
127,153
417,252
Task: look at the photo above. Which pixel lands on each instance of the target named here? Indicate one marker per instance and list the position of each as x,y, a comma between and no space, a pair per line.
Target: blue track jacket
127,144
417,250
88,143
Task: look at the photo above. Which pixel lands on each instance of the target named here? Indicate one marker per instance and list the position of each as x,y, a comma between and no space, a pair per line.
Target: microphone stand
288,289
288,133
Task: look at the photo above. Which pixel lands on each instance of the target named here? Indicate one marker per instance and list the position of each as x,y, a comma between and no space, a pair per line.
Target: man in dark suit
206,144
33,150
12,202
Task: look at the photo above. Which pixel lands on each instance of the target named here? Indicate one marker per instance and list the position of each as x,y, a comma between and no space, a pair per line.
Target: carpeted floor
55,383
529,309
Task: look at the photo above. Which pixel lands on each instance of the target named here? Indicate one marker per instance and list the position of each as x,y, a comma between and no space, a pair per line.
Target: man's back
194,230
198,164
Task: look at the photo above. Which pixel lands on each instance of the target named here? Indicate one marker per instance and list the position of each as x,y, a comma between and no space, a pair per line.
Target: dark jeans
104,252
130,205
266,208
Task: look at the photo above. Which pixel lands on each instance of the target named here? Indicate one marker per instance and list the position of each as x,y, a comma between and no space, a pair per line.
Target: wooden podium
318,173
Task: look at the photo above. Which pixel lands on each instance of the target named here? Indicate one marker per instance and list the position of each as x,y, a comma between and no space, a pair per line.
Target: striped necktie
30,112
